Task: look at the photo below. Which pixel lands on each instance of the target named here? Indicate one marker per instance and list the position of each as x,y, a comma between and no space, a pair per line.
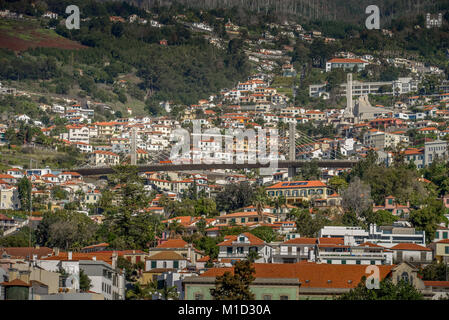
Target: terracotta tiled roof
203,259
253,240
343,60
23,252
15,283
410,247
6,176
166,255
436,283
245,214
104,244
297,184
370,244
173,243
4,218
311,275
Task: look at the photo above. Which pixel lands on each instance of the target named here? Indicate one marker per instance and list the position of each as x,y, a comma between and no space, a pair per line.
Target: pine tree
235,286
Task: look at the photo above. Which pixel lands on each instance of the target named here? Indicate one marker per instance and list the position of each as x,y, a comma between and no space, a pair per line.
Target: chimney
56,251
69,255
114,260
13,274
24,275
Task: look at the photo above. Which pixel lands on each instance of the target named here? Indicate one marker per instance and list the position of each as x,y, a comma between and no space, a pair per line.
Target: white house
165,260
238,247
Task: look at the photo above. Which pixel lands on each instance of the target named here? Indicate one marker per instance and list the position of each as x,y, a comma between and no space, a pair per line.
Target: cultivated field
20,35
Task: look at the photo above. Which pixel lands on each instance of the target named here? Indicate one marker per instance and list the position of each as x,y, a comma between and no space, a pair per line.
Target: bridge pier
291,172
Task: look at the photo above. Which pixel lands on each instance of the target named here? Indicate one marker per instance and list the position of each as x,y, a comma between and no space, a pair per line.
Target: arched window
404,276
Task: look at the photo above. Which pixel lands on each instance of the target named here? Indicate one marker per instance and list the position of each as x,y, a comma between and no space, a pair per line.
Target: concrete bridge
291,165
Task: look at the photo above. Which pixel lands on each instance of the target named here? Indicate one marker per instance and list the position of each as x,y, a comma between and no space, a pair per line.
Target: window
446,249
357,262
229,250
373,262
176,264
240,250
343,261
404,276
329,261
283,297
445,235
153,264
267,297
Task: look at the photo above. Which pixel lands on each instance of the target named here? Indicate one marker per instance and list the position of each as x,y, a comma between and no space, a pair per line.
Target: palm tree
175,228
140,292
259,202
169,293
253,256
282,202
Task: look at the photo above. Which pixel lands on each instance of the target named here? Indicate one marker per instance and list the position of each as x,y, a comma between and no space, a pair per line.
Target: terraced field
20,35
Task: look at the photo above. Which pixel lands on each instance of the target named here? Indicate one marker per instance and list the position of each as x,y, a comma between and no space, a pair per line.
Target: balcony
346,255
232,255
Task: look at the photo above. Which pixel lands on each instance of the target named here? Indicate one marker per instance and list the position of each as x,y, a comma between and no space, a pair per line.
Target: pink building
394,207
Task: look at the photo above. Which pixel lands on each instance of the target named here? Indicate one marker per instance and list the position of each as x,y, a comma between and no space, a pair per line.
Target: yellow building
441,250
298,191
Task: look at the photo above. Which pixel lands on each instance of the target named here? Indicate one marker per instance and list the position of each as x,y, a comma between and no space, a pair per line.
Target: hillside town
310,229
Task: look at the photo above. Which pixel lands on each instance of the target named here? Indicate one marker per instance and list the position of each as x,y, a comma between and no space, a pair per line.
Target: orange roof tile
410,247
297,184
311,275
253,240
166,255
173,243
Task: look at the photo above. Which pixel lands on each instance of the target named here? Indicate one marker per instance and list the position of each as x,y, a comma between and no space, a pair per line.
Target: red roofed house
67,176
298,191
238,247
243,218
346,64
180,247
291,281
305,280
411,252
165,260
101,268
8,178
301,249
394,207
6,222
